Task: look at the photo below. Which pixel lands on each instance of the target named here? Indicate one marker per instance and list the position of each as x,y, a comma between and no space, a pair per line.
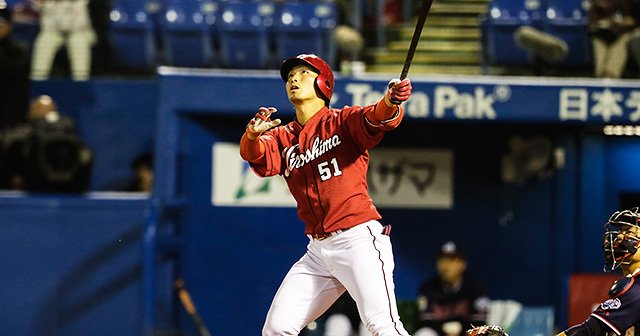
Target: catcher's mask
621,238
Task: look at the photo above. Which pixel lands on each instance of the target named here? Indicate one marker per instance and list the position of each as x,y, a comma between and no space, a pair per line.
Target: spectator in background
349,41
452,301
45,154
14,74
63,22
634,43
610,26
143,173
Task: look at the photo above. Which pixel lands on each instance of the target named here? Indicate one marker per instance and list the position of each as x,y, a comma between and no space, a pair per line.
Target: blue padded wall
71,265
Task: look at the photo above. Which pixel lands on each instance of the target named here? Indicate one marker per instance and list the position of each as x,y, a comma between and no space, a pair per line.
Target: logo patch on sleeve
611,304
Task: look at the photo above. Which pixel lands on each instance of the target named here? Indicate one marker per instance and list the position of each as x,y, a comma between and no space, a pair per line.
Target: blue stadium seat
503,19
305,27
533,321
187,32
26,23
244,34
567,19
25,32
132,35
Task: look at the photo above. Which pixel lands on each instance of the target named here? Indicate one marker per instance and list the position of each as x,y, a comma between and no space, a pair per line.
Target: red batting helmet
324,82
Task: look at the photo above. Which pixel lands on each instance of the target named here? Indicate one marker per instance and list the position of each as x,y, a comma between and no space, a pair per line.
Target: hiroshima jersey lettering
325,165
621,312
294,160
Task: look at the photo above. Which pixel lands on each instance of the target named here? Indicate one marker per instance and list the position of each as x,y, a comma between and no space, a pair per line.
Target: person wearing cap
452,301
323,155
14,74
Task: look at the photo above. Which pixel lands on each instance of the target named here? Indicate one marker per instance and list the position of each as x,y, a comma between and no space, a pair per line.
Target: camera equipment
49,156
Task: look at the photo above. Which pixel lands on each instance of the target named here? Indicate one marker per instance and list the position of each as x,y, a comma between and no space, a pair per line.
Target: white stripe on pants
360,260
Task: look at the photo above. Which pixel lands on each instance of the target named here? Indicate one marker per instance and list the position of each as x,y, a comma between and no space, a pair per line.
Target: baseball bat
426,7
185,298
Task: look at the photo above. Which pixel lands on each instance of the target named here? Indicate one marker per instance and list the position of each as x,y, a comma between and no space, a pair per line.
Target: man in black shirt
453,301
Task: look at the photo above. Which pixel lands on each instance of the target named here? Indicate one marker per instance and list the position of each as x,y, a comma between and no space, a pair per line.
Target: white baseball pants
46,46
359,260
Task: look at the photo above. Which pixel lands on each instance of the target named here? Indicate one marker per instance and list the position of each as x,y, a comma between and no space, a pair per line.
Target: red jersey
325,165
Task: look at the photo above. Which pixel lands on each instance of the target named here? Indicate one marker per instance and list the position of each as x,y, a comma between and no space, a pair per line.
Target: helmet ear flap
323,88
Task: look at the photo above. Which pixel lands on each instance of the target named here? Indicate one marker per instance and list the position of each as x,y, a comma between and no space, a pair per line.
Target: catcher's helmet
324,82
621,238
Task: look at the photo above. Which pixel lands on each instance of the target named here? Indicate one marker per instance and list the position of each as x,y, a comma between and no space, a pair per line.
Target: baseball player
620,314
323,156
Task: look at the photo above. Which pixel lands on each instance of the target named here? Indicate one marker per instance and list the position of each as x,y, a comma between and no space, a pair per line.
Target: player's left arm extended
388,113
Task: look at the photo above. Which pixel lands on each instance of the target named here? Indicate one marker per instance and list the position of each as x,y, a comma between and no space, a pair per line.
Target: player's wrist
251,135
387,100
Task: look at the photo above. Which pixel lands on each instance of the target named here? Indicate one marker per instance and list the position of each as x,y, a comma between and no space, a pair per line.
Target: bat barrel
426,7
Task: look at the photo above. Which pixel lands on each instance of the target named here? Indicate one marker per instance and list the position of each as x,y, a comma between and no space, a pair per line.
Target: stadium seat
244,32
187,33
567,19
503,19
25,32
131,32
305,27
26,23
533,321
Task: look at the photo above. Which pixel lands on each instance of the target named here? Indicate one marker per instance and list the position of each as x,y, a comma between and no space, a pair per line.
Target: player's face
632,233
301,84
621,247
451,269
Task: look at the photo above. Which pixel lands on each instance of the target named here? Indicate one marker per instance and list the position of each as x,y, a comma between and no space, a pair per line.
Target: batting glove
398,91
262,122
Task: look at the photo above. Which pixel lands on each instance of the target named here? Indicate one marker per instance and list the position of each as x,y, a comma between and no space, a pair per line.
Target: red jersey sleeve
272,163
383,117
365,134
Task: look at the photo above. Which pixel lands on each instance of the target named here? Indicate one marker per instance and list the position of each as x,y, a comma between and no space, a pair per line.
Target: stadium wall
523,239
